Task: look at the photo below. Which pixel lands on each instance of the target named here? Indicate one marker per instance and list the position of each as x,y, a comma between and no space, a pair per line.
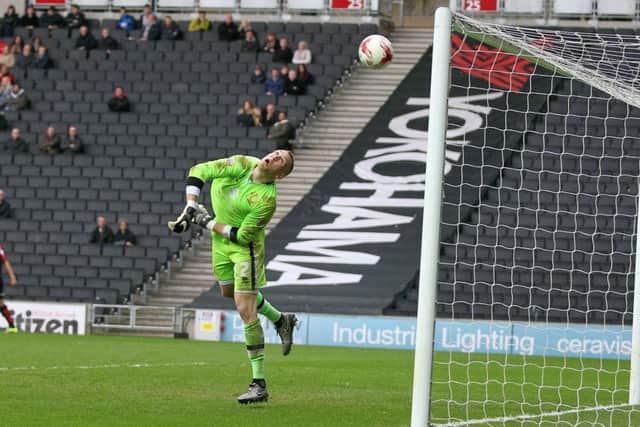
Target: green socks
254,338
267,310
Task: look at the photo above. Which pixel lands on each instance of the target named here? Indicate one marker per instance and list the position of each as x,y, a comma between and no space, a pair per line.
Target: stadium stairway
318,147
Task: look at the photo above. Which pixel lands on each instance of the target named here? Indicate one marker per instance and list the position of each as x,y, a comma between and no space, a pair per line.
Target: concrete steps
321,144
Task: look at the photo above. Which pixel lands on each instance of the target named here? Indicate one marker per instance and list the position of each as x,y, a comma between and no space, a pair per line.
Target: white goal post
530,234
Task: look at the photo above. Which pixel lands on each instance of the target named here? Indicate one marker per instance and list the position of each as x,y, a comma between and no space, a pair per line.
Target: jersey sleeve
222,168
254,222
3,256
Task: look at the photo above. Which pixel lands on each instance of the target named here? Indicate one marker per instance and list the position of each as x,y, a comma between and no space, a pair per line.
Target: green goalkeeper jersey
236,200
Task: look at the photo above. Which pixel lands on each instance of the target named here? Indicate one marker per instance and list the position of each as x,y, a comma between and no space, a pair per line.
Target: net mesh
538,238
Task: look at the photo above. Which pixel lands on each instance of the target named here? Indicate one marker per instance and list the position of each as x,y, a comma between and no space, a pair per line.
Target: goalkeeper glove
203,218
182,223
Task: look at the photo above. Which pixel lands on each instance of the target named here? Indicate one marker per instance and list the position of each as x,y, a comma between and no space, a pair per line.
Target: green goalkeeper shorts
241,265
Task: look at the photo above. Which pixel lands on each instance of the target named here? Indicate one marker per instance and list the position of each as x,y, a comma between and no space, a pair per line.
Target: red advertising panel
347,4
480,5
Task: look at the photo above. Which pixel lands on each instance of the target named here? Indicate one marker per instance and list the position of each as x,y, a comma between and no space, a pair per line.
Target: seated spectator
5,208
17,143
293,85
85,40
17,45
284,71
36,42
249,44
302,55
119,103
258,75
5,91
30,19
269,116
281,132
304,75
146,14
7,58
227,30
10,22
106,41
171,30
73,144
245,27
18,99
256,116
274,85
52,19
5,72
27,58
75,18
102,233
284,54
270,43
126,22
42,60
201,23
51,142
245,114
152,31
124,236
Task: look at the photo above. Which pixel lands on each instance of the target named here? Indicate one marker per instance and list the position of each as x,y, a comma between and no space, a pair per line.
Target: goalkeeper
243,196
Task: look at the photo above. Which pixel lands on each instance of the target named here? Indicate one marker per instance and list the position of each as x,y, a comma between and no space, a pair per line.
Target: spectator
126,22
102,233
18,99
304,75
146,14
228,30
17,45
107,42
270,43
5,208
124,236
282,132
302,55
5,90
249,44
293,85
36,42
27,58
10,22
5,72
245,114
201,23
30,19
274,85
258,75
42,60
119,103
256,116
85,40
73,143
51,142
52,19
7,58
284,71
245,27
284,54
17,143
269,116
75,18
152,31
171,30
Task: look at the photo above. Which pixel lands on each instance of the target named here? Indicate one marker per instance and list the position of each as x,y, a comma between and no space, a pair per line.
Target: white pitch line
110,366
531,416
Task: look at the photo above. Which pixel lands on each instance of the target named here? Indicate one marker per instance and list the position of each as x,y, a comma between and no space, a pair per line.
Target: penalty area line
532,416
108,366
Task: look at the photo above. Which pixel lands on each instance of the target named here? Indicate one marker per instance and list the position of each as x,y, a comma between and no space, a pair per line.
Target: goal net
538,235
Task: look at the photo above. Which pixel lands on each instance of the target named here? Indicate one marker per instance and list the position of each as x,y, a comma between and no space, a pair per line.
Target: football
375,51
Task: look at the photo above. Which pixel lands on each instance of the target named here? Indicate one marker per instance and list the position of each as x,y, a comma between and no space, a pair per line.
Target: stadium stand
184,97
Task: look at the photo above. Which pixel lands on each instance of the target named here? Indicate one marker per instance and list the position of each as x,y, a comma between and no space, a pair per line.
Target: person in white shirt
302,55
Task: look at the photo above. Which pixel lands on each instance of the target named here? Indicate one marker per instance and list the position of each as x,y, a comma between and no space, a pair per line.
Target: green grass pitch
53,380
